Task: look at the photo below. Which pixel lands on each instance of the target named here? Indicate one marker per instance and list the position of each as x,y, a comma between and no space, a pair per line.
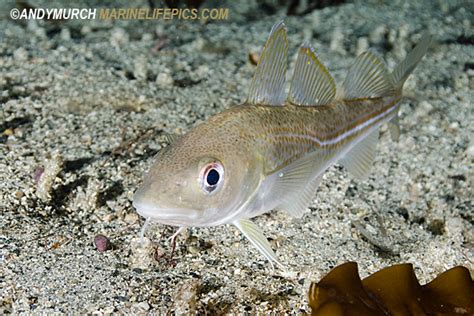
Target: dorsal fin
311,84
405,68
268,84
367,78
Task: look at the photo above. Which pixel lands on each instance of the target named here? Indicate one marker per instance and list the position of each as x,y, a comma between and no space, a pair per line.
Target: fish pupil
212,177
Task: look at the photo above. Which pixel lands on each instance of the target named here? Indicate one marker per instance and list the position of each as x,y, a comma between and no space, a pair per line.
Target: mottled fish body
270,153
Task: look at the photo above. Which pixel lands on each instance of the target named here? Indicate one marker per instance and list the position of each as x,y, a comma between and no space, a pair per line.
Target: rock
102,243
140,307
185,298
142,256
20,54
131,218
164,79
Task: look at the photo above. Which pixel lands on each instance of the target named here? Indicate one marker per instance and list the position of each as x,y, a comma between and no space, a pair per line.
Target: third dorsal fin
268,83
311,84
367,78
405,68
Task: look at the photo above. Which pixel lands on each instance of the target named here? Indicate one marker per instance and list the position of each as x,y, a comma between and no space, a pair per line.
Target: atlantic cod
270,153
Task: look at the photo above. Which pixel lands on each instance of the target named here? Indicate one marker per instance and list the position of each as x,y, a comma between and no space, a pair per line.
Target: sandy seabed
85,106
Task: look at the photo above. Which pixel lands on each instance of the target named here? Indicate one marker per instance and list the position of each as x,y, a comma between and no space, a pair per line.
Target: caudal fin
406,67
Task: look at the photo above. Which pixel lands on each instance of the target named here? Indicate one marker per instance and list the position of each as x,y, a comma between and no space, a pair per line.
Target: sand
85,106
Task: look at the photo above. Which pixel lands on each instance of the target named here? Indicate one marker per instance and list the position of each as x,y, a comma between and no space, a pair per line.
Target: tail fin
405,68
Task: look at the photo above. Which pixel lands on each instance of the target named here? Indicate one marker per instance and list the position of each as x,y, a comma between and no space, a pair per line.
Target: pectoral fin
268,83
256,237
171,138
360,158
292,187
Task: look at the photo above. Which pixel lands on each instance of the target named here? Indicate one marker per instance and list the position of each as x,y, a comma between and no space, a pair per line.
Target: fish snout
149,207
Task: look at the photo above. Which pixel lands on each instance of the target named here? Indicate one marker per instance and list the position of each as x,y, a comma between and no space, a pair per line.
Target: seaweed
394,290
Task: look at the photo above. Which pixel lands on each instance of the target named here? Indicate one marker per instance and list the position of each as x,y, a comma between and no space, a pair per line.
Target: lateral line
344,135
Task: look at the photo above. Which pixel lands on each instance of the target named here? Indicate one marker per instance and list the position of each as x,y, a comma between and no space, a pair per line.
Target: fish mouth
169,216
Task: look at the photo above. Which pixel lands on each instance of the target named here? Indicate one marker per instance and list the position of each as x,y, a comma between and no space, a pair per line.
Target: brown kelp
394,290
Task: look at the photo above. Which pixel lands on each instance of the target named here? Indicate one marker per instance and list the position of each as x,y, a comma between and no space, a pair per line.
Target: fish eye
211,177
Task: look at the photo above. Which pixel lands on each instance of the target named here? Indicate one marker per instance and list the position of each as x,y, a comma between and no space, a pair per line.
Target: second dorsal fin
367,78
311,84
268,83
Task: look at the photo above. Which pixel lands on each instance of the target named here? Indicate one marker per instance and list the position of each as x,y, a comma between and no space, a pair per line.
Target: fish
271,152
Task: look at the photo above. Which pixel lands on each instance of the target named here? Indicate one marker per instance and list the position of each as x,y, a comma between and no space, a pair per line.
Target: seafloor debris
102,243
380,239
185,298
392,291
297,8
45,181
253,58
141,253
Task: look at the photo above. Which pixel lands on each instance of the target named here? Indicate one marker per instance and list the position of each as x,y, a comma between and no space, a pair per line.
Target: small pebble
131,218
454,125
140,307
19,194
377,36
470,151
38,173
65,34
20,54
102,243
108,218
253,58
119,37
193,249
164,79
185,297
362,45
337,41
140,67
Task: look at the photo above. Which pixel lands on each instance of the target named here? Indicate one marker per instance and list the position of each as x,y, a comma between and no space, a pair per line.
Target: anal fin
256,237
360,158
299,202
